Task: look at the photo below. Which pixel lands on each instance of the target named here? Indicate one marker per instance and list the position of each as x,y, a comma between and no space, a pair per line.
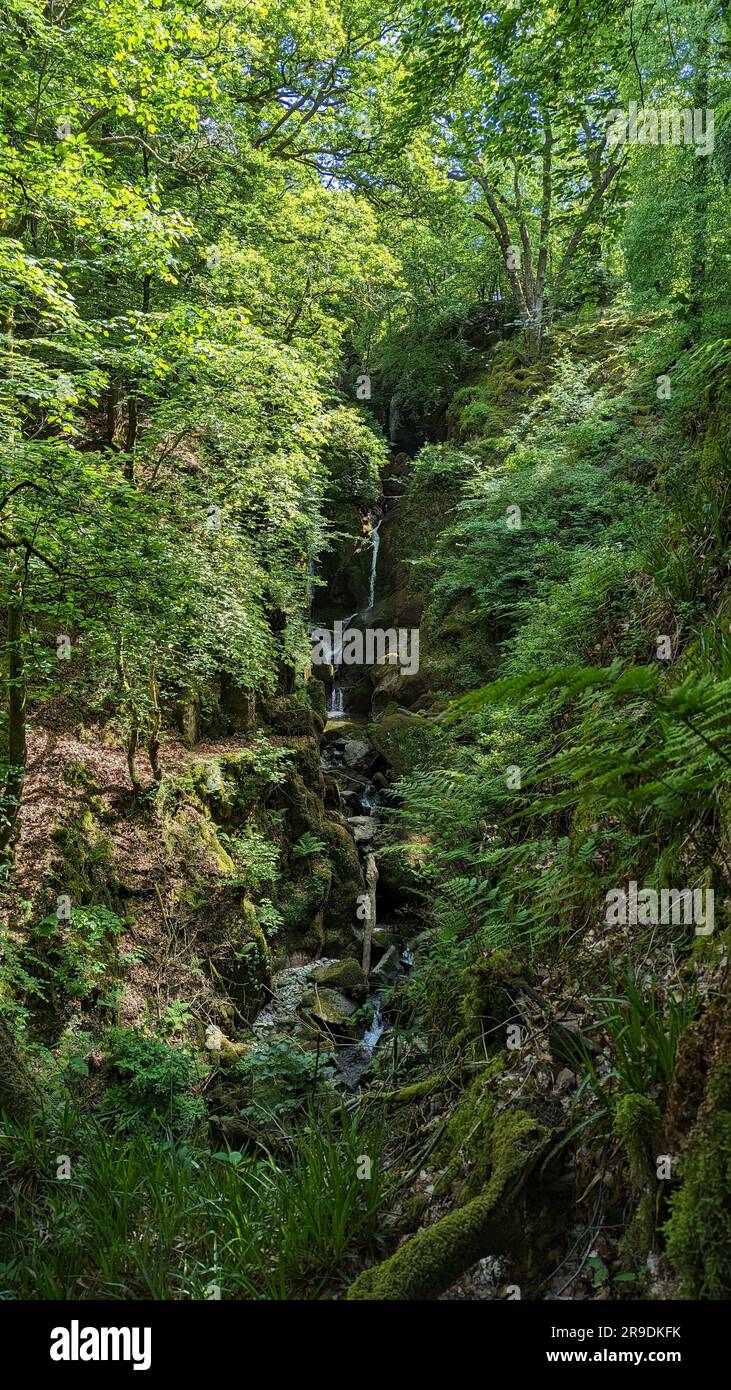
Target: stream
349,760
361,798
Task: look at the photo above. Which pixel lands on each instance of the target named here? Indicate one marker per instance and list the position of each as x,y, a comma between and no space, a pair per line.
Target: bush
155,1085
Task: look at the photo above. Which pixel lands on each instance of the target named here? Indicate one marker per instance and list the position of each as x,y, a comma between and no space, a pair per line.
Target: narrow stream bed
358,775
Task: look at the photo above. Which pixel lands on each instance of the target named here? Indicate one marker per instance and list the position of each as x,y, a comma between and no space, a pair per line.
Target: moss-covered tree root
433,1259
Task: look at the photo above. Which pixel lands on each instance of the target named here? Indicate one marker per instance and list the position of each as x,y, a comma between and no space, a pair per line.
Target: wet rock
363,828
388,966
357,753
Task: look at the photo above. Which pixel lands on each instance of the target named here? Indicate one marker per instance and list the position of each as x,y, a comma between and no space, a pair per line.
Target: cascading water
337,705
349,759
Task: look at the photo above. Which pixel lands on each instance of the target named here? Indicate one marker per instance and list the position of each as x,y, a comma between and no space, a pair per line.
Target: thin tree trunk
16,743
699,200
370,921
153,743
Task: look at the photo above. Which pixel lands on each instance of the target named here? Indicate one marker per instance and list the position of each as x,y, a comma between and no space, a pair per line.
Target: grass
143,1219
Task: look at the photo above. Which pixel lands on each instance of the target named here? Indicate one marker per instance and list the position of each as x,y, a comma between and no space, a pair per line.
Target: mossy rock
84,863
347,886
428,1263
303,805
304,755
225,788
329,1006
392,734
293,716
235,708
345,975
301,897
393,686
240,960
698,1233
317,697
637,1121
401,868
192,844
488,1001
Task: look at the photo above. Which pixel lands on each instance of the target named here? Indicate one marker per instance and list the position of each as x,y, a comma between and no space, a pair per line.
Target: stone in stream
363,828
358,753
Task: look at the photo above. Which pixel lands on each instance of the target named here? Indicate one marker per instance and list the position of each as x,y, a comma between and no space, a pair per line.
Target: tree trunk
370,921
699,200
16,745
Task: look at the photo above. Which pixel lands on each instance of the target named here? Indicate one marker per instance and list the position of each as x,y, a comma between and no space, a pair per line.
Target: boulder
363,828
389,965
357,752
345,975
329,1005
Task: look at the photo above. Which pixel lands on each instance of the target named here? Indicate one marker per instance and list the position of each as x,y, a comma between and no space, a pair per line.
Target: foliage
183,1220
153,1085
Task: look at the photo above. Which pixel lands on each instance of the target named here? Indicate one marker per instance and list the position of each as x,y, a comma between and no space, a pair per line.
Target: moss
347,885
698,1233
345,974
401,869
295,715
488,1000
637,1121
191,841
392,734
433,1259
317,696
241,962
84,866
300,899
418,1090
465,1149
227,788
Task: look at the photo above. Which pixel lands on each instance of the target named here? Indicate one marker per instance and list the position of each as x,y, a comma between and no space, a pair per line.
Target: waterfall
336,707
